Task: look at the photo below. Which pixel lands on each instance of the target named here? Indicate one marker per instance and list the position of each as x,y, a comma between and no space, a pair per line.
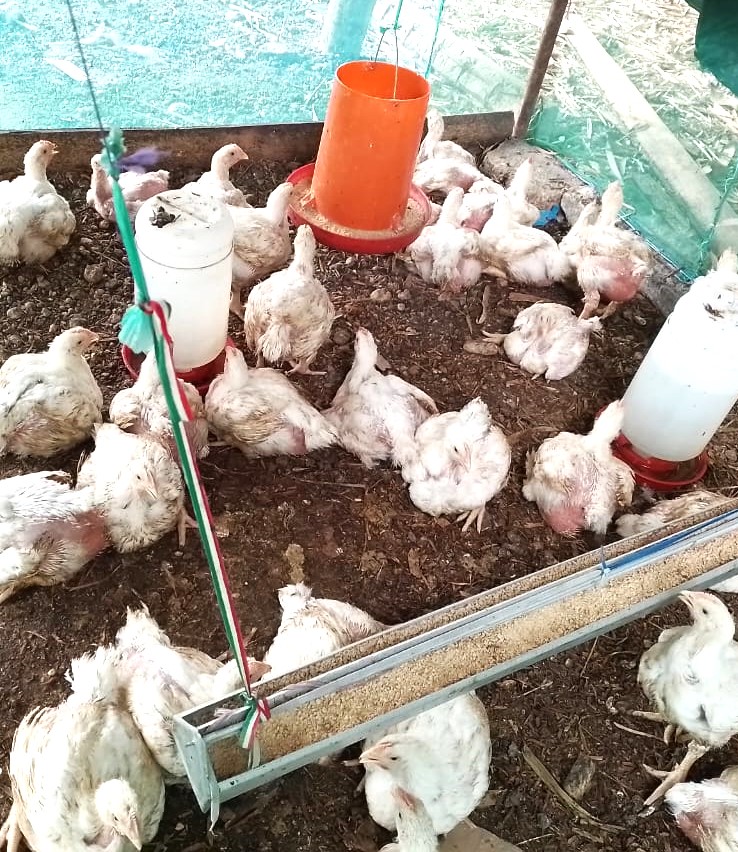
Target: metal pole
540,66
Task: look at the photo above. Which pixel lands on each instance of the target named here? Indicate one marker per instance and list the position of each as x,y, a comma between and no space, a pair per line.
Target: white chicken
142,409
162,680
35,221
666,511
432,146
461,461
440,757
137,486
442,174
522,211
375,416
261,242
519,253
259,411
313,628
415,832
707,812
576,480
478,204
289,316
48,531
690,677
134,186
610,261
49,401
217,183
547,339
445,254
81,774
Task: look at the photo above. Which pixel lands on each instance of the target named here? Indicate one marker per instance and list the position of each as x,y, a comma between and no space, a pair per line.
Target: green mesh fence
181,63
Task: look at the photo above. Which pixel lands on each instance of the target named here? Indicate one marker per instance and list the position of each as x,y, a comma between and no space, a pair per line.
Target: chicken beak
132,831
257,669
148,486
687,598
377,755
54,150
464,459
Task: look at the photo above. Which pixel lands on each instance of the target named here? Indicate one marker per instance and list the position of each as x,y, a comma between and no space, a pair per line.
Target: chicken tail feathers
728,261
94,677
607,426
612,202
518,187
274,343
139,630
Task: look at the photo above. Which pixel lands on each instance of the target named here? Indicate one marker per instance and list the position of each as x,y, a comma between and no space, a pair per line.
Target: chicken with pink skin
49,401
137,486
446,255
461,461
478,204
376,415
610,262
135,187
217,183
289,316
707,811
260,412
48,530
440,757
35,221
690,677
82,777
576,481
442,174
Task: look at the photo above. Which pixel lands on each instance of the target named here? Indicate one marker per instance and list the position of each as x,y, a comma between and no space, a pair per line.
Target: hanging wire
439,16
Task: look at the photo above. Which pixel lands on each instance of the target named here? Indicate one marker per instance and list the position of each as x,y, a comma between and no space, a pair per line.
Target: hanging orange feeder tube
372,131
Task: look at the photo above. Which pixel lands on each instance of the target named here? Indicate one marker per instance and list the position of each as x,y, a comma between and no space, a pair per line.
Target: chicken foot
470,517
676,776
670,731
486,304
10,832
184,521
303,368
591,303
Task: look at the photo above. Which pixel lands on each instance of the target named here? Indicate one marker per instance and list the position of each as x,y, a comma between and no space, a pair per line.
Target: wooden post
540,66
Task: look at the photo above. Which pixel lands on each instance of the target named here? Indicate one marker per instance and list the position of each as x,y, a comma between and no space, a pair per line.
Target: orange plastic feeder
370,140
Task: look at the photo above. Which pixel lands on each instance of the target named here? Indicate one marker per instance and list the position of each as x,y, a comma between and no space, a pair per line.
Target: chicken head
117,806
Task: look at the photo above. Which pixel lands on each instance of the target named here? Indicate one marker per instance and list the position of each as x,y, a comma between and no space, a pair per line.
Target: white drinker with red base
688,381
186,246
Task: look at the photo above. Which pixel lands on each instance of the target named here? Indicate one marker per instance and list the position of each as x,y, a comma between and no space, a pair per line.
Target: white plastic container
688,381
186,247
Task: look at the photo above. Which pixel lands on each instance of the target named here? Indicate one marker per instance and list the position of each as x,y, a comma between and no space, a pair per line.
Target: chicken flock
92,772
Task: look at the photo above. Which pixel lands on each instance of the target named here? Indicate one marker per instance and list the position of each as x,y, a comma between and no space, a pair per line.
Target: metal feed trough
404,670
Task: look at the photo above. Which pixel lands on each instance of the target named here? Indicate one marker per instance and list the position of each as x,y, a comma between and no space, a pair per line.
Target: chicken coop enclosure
623,99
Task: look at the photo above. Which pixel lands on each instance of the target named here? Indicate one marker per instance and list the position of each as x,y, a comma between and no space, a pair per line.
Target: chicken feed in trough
353,534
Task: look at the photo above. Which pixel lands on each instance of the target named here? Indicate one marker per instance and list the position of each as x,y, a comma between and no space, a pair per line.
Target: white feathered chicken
516,193
259,410
217,183
49,401
576,480
142,409
478,204
461,461
610,261
414,826
666,511
707,812
136,187
445,254
313,628
35,221
137,486
690,676
81,774
519,253
375,416
289,316
547,339
48,531
442,174
440,757
261,242
163,680
432,146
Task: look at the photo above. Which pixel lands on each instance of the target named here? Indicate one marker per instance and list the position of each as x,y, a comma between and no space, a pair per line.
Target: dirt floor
362,542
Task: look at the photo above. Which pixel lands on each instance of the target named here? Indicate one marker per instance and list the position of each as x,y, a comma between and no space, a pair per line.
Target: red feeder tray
303,212
200,377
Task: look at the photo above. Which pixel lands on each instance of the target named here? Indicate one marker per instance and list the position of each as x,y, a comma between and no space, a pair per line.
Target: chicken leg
486,304
676,776
669,731
303,368
184,521
10,832
235,306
